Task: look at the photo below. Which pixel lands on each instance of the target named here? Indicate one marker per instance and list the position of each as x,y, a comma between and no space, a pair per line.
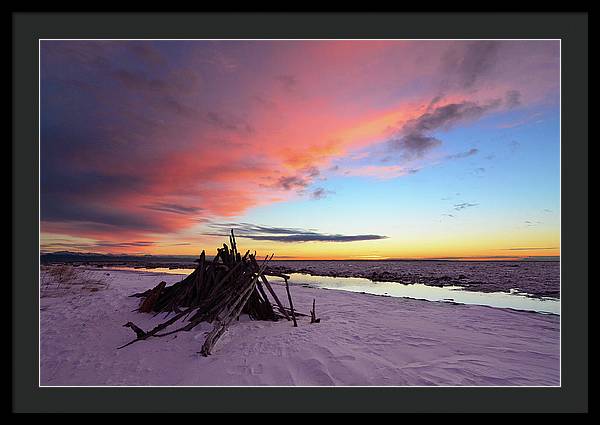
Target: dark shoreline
480,276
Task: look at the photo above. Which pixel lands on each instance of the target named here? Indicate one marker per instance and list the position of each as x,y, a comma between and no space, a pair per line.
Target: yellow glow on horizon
499,245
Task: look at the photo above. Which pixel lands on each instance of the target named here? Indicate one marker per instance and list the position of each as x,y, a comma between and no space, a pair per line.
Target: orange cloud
145,140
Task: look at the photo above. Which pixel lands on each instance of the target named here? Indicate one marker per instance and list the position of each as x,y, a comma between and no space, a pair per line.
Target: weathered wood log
274,295
222,325
297,313
235,310
200,278
147,304
313,314
143,335
216,291
139,332
262,291
287,288
233,244
217,286
271,291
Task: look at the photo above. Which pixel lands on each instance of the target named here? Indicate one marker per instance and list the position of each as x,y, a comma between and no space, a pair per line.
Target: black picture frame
571,28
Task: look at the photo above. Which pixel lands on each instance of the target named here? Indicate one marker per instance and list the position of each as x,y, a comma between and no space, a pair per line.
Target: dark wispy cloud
415,145
299,181
532,223
532,118
316,237
100,245
465,154
288,82
447,116
124,244
311,171
284,234
139,81
173,208
513,98
320,193
291,182
96,217
264,102
470,62
415,138
464,205
228,122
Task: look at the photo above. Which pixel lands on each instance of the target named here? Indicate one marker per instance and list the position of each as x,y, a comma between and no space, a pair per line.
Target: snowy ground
361,340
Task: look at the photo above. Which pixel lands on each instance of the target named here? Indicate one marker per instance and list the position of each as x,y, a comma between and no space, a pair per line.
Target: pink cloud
161,138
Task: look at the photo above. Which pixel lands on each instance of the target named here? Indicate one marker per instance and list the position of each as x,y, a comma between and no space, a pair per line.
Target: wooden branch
153,331
224,279
147,304
273,294
139,332
221,326
313,314
200,276
297,313
287,288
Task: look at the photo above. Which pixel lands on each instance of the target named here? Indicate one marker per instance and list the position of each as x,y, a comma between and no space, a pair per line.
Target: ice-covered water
537,278
456,294
517,285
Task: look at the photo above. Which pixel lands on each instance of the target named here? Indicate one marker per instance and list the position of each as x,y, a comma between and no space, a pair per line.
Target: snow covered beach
362,340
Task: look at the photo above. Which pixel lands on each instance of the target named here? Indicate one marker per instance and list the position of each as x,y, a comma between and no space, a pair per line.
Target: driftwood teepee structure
217,291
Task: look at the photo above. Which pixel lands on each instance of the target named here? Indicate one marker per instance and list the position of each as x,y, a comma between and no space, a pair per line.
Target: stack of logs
216,291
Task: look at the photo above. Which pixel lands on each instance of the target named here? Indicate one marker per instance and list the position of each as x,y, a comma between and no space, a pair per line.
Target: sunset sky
308,149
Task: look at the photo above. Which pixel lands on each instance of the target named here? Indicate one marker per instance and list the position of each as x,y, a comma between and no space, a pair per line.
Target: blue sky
311,149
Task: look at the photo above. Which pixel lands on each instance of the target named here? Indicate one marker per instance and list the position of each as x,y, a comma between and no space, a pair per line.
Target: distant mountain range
68,257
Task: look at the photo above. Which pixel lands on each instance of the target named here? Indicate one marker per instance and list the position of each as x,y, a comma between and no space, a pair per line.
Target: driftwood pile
217,291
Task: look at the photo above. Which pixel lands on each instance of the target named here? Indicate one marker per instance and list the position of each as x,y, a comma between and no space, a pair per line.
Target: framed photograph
300,212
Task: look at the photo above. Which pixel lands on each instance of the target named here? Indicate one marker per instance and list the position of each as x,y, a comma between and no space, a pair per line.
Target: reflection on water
184,272
456,294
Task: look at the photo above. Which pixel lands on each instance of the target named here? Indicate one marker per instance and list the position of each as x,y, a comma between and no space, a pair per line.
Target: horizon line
299,258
